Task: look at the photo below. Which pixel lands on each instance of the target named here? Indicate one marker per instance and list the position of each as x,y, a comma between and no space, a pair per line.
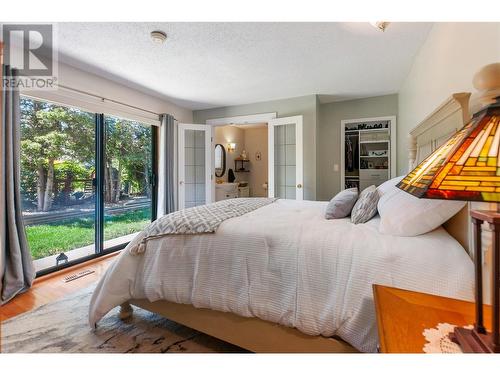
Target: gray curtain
16,266
166,165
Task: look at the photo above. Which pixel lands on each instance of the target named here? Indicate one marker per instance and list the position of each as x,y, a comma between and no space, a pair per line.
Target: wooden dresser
402,316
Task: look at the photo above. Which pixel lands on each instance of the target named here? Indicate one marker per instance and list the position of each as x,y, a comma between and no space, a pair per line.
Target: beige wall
328,145
251,140
304,105
445,64
230,134
256,141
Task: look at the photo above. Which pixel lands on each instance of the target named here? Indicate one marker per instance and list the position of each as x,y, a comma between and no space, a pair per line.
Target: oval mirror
220,160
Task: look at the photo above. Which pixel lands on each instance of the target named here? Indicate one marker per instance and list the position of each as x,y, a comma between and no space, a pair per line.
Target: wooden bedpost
126,311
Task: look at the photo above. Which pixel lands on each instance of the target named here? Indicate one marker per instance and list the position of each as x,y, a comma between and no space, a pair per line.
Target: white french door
286,158
194,165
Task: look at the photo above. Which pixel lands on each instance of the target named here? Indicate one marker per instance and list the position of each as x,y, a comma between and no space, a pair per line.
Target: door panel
128,189
57,168
195,179
286,158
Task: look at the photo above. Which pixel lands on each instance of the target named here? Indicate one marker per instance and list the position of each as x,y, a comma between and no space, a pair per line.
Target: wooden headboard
431,133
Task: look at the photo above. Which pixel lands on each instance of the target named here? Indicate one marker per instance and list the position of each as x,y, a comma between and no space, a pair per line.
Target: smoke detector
158,37
380,25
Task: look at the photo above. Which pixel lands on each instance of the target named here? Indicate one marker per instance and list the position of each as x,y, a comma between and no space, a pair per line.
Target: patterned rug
61,327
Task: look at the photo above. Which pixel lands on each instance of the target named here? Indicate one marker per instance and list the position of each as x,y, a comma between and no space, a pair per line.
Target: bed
283,279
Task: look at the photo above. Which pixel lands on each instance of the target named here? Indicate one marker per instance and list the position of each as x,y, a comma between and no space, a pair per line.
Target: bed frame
261,336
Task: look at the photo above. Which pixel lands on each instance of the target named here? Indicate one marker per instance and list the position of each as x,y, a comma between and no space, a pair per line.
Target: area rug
62,327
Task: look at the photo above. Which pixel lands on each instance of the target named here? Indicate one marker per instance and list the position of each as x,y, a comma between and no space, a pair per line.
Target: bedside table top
402,316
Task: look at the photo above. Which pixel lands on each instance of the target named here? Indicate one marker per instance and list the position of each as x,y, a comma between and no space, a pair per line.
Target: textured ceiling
204,65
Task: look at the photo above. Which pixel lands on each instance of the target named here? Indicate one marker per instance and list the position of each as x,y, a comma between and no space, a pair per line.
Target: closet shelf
368,151
242,166
366,130
374,141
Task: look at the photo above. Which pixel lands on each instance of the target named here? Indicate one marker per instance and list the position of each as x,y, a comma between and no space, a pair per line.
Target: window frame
99,149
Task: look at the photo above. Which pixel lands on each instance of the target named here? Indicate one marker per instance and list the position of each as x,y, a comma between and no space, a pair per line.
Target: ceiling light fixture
380,25
158,37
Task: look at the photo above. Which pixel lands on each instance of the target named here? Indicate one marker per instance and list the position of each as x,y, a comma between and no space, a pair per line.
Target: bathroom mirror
220,160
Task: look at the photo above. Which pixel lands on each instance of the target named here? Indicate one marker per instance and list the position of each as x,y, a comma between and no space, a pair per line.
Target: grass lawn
54,238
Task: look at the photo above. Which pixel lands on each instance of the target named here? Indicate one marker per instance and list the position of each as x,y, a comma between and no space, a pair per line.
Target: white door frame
299,154
209,162
392,149
242,120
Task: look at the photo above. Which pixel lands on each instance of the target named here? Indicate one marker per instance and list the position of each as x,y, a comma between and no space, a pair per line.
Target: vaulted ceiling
204,65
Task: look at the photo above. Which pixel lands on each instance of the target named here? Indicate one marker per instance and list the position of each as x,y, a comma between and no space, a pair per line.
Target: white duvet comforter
285,263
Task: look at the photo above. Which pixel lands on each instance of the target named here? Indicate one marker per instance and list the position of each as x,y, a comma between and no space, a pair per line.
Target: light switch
335,167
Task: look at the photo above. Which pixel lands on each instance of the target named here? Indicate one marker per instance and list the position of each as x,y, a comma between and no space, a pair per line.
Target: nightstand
402,316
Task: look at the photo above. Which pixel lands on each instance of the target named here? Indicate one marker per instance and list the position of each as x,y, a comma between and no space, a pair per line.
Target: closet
351,161
367,149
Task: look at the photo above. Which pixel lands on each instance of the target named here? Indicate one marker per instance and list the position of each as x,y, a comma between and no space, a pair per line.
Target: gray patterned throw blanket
199,219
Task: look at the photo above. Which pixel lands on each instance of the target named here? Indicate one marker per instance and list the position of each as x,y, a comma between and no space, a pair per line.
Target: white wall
102,87
446,63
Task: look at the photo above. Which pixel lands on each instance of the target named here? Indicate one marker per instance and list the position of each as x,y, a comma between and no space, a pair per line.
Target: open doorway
241,160
283,177
270,166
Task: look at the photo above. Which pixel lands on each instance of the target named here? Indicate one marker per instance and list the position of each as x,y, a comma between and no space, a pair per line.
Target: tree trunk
147,188
108,180
118,183
40,189
68,183
111,194
47,201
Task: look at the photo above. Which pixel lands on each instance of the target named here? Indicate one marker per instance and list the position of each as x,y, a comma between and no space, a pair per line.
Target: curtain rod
106,99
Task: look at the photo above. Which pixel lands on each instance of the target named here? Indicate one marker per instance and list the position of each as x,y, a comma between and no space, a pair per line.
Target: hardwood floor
52,287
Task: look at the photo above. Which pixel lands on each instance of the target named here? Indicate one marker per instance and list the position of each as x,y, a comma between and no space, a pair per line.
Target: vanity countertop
227,185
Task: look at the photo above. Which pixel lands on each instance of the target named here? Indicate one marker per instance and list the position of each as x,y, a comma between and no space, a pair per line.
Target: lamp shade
466,167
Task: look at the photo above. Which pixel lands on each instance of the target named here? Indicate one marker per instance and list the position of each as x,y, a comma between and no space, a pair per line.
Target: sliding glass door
57,171
87,182
128,174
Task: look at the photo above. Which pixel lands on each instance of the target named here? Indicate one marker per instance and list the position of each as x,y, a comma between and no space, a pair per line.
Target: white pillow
402,214
388,185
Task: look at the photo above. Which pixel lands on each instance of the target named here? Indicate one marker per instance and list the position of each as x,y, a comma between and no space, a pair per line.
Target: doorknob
181,182
299,186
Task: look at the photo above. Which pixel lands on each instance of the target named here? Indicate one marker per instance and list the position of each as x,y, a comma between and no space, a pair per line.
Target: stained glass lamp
467,167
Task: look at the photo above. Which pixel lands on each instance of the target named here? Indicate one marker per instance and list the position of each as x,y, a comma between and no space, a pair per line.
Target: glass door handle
299,186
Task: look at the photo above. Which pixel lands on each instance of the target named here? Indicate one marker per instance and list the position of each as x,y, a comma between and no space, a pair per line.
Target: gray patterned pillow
366,206
341,205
